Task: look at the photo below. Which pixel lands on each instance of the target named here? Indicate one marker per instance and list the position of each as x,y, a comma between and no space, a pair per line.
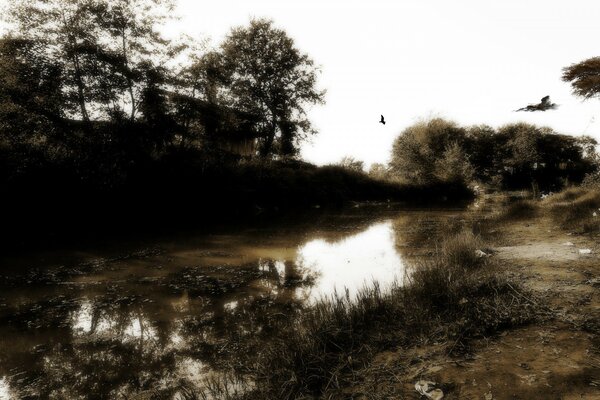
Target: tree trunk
80,89
129,80
267,147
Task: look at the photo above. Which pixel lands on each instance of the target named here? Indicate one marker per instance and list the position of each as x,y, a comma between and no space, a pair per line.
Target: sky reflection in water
352,262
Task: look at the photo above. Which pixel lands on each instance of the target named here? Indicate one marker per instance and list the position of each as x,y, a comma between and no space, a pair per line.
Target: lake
123,318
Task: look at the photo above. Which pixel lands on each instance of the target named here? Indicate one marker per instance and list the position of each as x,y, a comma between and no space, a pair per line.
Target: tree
584,77
453,165
272,79
61,26
378,171
483,147
132,47
104,49
30,96
421,152
352,164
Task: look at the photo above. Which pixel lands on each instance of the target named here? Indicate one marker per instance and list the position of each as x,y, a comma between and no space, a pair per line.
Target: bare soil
555,358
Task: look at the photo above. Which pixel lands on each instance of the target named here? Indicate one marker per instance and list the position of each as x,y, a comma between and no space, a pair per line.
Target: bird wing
382,118
545,99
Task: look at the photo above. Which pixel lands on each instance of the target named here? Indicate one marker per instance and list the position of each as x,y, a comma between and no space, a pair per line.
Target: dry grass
518,210
576,209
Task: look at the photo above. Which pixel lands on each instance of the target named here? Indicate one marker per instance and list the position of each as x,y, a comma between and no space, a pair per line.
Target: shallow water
153,314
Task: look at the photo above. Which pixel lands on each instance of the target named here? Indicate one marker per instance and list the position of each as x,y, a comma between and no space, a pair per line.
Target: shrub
576,208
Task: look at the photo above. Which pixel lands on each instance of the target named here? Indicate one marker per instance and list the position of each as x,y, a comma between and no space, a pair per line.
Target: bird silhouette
543,105
382,120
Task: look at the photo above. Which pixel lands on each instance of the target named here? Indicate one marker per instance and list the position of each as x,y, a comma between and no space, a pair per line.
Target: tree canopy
584,77
270,77
96,80
512,156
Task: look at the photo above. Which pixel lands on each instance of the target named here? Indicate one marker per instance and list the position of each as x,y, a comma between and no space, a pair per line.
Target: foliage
513,156
423,152
263,64
91,89
30,96
576,209
379,171
352,164
584,77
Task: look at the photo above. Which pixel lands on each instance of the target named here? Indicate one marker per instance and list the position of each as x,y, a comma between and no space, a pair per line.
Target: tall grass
453,297
518,210
576,208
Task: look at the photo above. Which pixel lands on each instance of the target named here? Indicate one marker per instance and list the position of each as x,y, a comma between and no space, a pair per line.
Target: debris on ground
429,389
481,253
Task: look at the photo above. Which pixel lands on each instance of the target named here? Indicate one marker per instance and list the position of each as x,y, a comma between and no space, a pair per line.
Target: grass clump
454,297
576,208
518,210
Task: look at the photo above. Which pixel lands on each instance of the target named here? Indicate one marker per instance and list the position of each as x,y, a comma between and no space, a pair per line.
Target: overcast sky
472,61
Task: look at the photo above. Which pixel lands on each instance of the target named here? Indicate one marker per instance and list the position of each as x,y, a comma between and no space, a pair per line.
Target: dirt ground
556,358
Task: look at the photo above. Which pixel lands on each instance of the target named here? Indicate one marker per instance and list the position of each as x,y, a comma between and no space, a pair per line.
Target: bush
520,209
576,208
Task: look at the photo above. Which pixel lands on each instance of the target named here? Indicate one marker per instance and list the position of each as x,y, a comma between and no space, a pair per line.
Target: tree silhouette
270,77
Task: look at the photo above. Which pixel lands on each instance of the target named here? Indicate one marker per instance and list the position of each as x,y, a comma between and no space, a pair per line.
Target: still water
124,318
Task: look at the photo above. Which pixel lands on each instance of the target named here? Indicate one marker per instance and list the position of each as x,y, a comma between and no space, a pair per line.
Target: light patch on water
140,328
83,318
279,266
266,285
5,389
191,369
232,305
137,327
353,262
176,340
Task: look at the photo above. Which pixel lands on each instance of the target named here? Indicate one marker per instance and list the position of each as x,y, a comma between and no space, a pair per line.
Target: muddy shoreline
556,357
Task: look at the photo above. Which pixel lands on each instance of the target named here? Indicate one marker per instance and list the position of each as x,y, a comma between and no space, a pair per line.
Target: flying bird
543,105
382,121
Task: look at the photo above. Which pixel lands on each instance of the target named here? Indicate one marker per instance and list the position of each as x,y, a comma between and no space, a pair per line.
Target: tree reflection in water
124,326
169,334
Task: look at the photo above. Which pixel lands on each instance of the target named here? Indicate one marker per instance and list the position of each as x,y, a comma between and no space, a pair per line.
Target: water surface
125,318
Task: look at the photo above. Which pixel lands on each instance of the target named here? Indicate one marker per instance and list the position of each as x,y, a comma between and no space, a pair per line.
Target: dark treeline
91,87
514,156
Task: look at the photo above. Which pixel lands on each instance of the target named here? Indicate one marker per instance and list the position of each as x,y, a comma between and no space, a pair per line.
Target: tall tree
423,152
271,78
131,44
104,48
61,26
31,102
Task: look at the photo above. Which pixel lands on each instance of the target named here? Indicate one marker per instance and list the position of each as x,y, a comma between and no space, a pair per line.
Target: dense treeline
514,156
93,88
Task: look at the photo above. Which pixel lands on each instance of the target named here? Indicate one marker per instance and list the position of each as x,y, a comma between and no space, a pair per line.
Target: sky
471,61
